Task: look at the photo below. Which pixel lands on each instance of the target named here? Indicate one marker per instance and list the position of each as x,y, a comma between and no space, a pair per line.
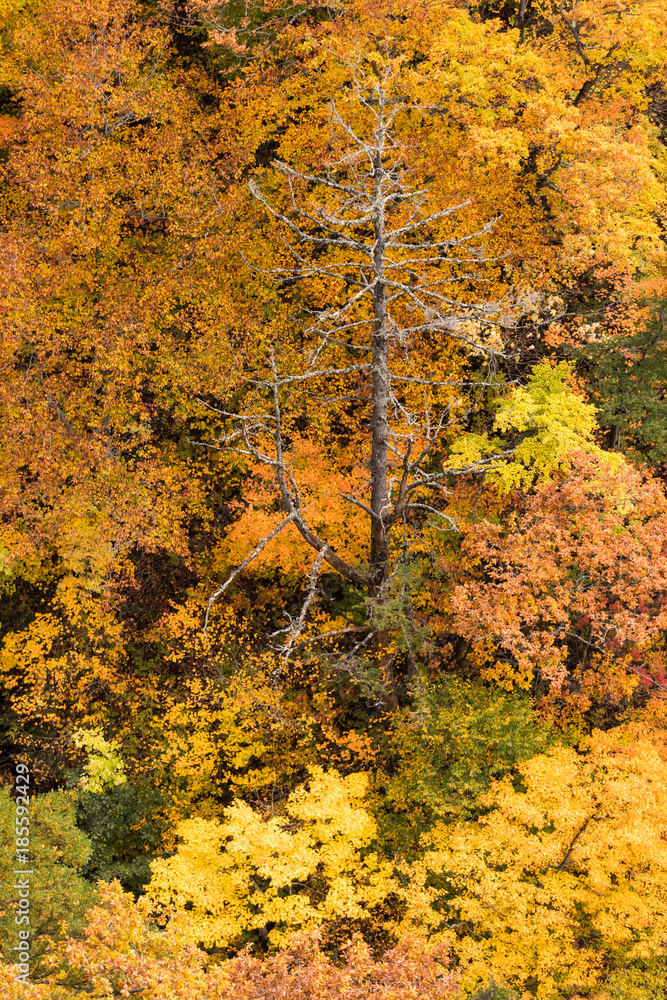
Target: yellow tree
311,864
563,880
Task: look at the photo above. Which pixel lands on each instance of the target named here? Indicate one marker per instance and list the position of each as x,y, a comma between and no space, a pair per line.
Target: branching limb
261,545
335,633
291,500
296,628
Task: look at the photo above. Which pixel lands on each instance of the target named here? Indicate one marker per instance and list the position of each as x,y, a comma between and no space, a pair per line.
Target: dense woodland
333,498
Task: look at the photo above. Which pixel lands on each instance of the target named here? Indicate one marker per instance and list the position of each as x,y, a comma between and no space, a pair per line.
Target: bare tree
363,227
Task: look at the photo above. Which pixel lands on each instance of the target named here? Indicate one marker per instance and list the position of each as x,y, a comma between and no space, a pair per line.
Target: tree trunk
380,443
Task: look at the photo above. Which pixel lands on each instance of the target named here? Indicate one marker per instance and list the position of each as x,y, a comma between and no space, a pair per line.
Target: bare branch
335,633
261,545
296,628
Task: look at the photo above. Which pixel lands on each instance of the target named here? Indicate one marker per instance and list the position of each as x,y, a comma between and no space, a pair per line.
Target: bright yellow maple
311,863
564,878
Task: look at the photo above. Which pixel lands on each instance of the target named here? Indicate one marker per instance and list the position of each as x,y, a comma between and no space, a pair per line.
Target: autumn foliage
570,591
333,517
119,954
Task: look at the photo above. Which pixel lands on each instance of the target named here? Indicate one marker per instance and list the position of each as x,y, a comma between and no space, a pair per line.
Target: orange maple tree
568,594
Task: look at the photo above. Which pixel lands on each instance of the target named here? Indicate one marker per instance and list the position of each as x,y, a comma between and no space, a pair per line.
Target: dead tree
363,226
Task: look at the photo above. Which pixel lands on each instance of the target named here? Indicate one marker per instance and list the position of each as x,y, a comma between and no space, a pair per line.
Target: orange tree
104,159
122,952
567,597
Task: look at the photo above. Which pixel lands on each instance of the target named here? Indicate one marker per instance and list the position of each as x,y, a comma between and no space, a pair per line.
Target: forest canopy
333,499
